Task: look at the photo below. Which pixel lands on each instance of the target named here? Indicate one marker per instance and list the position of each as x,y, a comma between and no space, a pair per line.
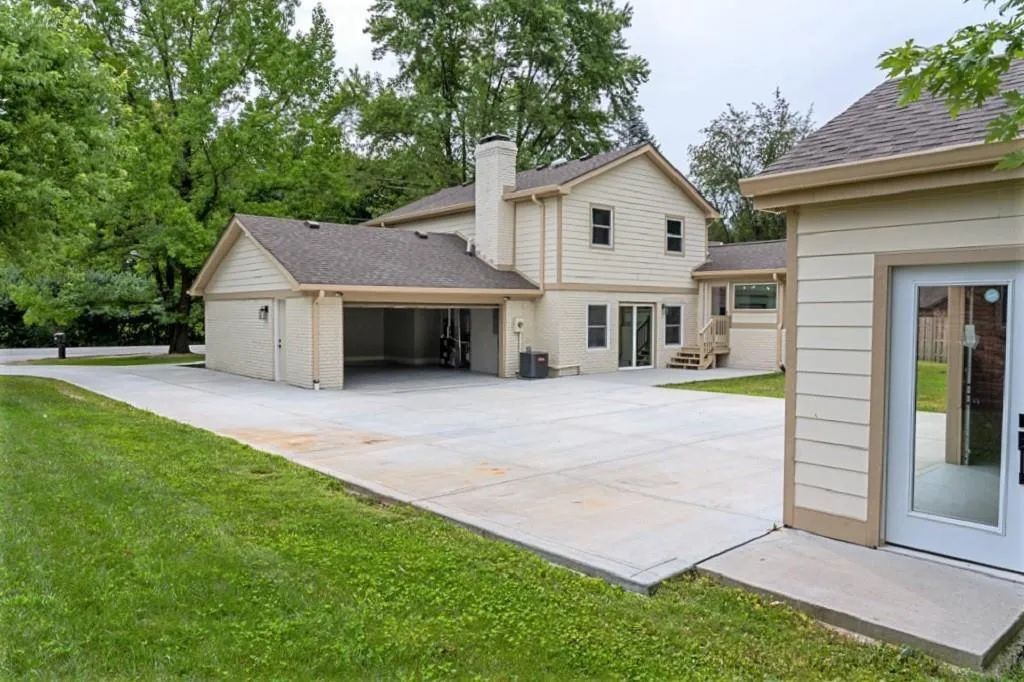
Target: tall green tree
967,69
59,112
228,109
558,77
739,144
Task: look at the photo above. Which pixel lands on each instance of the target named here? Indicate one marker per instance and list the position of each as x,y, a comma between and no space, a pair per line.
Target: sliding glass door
636,336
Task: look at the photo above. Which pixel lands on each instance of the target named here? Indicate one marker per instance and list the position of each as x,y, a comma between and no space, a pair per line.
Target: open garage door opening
411,347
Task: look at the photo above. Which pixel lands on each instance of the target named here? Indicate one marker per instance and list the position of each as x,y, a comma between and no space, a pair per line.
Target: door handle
1020,448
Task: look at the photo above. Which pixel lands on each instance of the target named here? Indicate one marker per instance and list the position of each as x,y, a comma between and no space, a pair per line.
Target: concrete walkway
627,482
958,614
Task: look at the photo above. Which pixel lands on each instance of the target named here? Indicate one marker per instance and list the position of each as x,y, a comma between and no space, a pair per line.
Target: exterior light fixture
264,312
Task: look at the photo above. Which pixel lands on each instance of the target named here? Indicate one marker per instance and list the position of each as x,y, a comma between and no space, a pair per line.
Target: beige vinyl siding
237,341
835,251
299,342
527,240
462,224
246,268
641,198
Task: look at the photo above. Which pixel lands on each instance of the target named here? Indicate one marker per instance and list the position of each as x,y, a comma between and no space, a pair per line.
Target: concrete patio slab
959,615
617,479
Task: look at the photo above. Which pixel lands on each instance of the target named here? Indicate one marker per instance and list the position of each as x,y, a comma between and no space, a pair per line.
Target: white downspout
316,340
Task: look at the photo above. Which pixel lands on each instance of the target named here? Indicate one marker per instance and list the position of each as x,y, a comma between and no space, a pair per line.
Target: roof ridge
754,241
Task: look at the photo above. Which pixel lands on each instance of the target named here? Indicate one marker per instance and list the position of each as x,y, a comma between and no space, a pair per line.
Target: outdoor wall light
264,312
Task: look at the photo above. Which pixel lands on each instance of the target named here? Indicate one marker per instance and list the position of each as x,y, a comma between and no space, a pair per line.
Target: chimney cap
494,137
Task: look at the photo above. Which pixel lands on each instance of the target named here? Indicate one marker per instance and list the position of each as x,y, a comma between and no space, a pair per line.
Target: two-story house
591,260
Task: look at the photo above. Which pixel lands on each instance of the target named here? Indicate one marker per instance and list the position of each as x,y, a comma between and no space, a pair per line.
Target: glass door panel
960,387
644,335
626,336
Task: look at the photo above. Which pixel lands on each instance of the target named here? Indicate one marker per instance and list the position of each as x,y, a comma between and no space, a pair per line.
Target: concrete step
960,615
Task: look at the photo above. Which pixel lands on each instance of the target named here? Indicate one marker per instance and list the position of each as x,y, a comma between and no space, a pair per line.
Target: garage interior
386,346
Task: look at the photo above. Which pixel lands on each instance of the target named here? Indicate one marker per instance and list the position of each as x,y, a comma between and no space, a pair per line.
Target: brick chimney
495,174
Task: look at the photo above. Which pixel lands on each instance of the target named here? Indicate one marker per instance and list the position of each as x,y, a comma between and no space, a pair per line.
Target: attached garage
301,302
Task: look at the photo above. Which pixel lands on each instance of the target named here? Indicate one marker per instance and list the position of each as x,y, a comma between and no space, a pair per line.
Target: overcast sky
707,53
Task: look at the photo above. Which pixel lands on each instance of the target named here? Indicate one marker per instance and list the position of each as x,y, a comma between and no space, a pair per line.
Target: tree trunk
179,338
179,328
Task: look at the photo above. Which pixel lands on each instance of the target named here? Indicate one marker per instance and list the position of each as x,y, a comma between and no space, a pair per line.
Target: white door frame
280,333
1001,545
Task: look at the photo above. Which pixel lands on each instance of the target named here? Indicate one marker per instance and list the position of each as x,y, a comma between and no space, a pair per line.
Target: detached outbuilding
905,314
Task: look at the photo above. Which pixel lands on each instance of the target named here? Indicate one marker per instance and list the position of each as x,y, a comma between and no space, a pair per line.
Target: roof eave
761,187
412,216
727,274
420,291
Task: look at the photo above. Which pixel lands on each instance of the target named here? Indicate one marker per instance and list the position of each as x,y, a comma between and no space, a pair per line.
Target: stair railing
706,342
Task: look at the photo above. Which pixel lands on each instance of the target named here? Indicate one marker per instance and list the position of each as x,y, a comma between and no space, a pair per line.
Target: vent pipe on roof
470,248
312,224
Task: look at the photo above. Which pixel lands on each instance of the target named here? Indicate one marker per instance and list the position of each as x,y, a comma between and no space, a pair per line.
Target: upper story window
674,235
754,297
600,226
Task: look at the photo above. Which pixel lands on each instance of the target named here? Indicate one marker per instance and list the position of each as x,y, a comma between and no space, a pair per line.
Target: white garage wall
237,341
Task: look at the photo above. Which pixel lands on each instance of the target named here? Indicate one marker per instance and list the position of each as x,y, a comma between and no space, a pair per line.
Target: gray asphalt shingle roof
374,256
527,179
768,255
877,126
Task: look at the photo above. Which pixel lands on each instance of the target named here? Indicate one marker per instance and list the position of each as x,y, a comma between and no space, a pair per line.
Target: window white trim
736,308
611,227
606,326
665,325
681,236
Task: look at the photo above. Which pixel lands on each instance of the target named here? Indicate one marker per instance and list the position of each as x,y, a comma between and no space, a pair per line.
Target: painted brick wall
299,342
332,342
237,341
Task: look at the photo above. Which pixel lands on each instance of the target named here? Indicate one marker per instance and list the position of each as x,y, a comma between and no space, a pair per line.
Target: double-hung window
674,235
597,326
600,226
673,325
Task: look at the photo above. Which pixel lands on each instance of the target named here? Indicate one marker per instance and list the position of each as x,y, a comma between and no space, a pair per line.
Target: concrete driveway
605,474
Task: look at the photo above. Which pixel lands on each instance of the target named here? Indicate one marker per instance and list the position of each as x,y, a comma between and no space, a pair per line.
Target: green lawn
931,386
133,547
120,360
763,385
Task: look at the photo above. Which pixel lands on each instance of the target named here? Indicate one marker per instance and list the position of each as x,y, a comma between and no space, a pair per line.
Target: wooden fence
931,338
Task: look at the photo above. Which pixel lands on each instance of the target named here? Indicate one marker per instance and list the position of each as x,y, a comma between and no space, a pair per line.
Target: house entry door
636,334
955,436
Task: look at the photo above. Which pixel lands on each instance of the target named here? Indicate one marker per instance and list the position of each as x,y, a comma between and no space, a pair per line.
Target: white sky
707,53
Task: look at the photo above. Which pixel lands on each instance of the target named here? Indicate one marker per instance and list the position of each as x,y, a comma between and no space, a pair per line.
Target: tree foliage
227,110
130,131
967,69
740,144
557,77
58,118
